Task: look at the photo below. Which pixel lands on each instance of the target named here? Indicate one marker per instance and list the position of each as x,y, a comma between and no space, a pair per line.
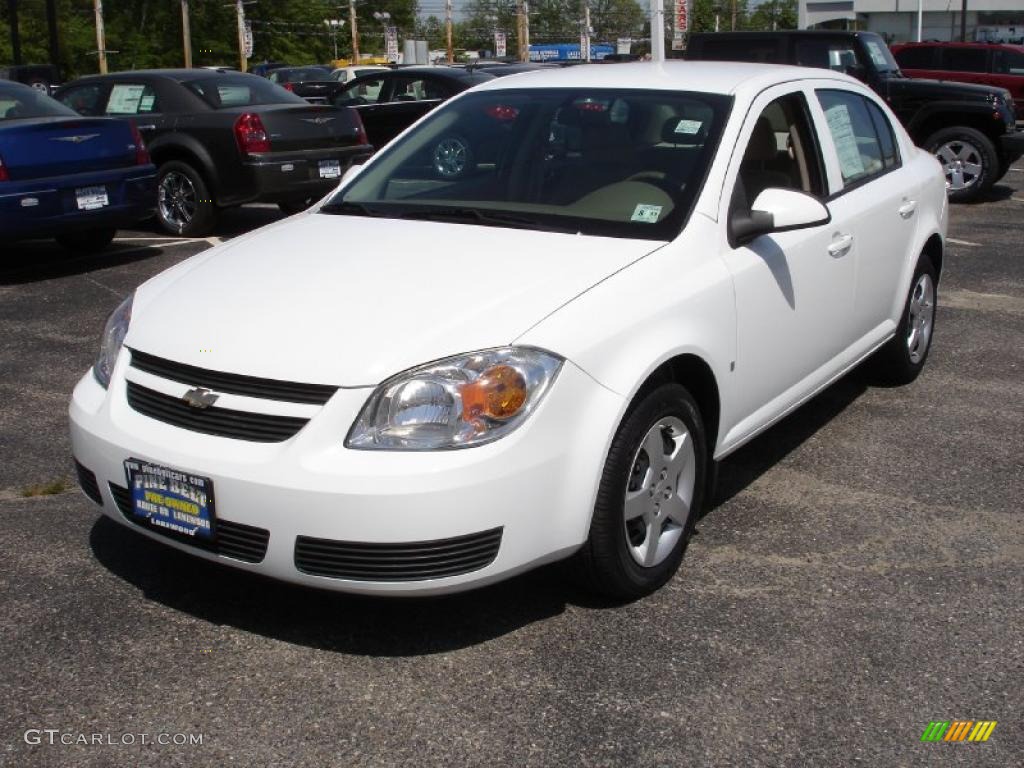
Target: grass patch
46,489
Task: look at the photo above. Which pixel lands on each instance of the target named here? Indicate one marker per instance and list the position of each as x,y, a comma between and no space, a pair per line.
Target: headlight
113,337
455,403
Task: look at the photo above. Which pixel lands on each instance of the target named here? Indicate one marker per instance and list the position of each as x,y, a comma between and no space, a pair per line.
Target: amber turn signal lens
499,393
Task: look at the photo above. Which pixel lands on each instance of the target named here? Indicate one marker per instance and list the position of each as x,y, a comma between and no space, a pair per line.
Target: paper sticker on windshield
689,127
648,214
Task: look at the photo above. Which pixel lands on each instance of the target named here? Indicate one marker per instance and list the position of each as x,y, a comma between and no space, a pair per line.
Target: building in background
896,20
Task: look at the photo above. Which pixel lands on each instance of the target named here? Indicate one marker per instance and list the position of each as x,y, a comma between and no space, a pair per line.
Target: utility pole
523,28
448,29
51,26
585,37
12,11
243,62
963,22
355,31
657,30
186,34
733,27
101,39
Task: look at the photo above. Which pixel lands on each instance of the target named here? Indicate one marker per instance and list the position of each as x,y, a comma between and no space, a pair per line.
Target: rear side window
240,91
964,59
1008,62
918,57
131,99
764,51
886,137
861,151
18,103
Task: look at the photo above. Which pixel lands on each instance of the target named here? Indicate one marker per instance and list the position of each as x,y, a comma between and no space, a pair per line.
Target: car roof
180,75
701,76
945,44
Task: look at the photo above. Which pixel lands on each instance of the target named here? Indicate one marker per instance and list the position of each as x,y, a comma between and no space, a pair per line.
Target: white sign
247,37
623,45
391,38
500,42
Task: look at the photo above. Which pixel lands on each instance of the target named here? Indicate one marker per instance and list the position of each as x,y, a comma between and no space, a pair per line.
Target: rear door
408,98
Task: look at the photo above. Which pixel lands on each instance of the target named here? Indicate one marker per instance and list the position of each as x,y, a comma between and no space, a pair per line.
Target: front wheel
904,355
650,496
969,160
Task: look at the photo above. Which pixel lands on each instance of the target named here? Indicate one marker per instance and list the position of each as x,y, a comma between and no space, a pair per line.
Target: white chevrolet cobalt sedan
524,331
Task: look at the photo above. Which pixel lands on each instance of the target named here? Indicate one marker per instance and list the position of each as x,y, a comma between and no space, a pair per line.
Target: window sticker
146,102
124,99
689,127
648,214
841,127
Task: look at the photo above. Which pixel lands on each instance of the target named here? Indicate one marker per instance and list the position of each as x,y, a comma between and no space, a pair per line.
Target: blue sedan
66,176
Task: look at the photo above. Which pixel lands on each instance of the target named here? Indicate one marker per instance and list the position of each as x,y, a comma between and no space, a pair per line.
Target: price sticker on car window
648,214
688,127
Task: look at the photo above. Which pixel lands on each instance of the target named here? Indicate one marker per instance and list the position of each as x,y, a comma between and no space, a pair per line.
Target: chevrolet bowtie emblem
76,139
200,398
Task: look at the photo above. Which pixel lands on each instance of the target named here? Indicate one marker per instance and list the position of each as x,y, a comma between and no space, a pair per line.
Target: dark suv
971,129
985,63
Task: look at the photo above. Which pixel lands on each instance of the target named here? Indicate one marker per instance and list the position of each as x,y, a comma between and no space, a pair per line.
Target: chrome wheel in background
962,164
177,199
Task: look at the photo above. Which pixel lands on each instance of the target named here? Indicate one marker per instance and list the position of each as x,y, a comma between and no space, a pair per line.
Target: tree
775,14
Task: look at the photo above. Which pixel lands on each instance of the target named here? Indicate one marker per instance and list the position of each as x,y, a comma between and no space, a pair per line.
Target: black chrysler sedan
222,139
389,102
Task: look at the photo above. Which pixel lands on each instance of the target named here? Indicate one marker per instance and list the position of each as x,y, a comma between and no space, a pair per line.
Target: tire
291,207
184,206
622,559
969,159
452,157
904,355
89,241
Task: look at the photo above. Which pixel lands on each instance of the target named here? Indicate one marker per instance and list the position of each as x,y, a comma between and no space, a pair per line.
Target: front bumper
537,485
49,207
284,176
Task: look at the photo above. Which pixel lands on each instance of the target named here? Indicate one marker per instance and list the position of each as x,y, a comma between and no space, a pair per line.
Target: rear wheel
87,241
969,160
650,497
183,203
904,355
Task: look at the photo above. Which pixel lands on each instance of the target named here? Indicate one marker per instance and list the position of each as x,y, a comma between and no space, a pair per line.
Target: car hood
938,89
349,300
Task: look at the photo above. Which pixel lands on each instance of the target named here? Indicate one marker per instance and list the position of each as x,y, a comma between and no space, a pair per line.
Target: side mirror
777,210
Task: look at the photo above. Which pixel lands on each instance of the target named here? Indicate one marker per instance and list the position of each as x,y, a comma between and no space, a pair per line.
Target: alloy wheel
921,317
177,199
660,491
962,164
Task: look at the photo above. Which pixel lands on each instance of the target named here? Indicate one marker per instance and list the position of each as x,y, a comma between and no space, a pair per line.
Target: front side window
88,100
917,57
364,91
854,136
619,163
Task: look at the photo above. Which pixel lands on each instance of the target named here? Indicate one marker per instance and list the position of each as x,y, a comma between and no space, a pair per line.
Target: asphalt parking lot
860,575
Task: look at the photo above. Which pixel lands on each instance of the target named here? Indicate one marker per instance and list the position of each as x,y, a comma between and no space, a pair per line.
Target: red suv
987,63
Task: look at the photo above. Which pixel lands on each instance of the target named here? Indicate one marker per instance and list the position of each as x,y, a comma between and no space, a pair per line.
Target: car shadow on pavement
372,626
34,262
746,465
993,194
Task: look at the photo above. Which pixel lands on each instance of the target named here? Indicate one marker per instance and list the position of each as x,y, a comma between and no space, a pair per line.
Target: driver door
793,289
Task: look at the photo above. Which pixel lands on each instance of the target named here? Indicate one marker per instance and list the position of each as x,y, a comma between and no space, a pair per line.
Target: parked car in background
993,64
264,68
43,77
223,139
970,128
432,383
313,83
347,74
389,102
64,176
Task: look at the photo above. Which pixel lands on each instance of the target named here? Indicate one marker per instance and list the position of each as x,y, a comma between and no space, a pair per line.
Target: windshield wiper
348,208
485,218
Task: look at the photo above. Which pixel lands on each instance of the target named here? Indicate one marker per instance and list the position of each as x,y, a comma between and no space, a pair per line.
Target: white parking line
213,240
962,242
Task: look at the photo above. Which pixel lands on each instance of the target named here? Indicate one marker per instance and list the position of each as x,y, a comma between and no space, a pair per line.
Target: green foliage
550,21
774,14
147,33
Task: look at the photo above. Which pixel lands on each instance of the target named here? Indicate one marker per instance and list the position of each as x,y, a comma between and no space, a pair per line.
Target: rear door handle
149,127
907,209
840,245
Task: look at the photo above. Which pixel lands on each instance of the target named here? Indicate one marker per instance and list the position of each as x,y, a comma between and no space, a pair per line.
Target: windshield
880,55
299,75
21,103
240,91
620,163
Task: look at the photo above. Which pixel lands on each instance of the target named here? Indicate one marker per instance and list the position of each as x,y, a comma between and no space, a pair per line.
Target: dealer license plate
330,169
91,198
171,499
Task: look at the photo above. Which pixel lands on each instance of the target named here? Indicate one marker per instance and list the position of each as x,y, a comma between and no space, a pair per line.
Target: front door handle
907,209
840,245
